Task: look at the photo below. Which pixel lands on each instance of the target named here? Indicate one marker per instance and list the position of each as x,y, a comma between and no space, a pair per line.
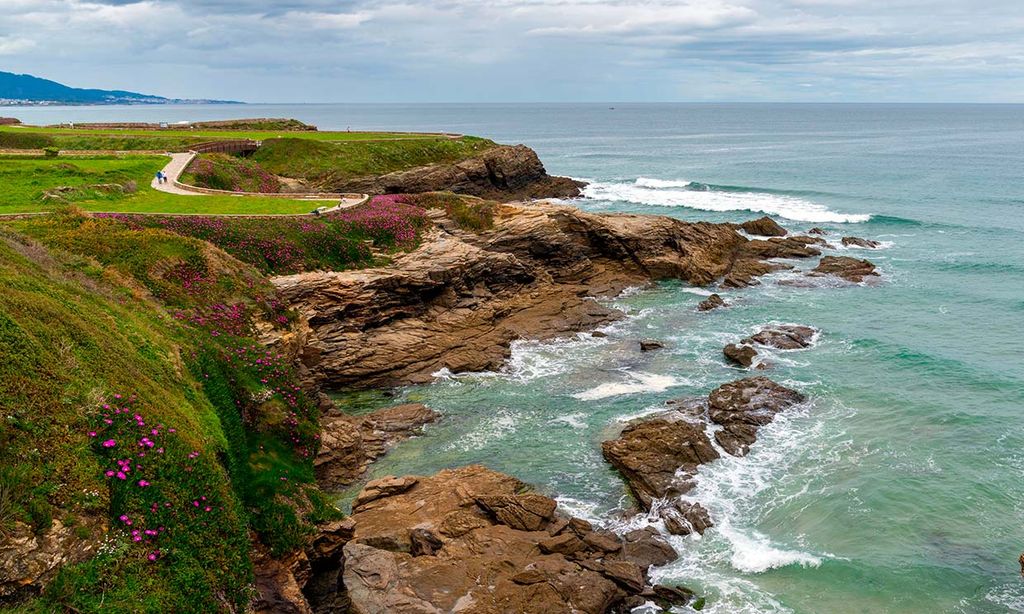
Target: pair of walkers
161,177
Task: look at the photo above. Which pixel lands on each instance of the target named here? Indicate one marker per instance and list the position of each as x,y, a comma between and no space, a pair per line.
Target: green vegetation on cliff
134,398
324,163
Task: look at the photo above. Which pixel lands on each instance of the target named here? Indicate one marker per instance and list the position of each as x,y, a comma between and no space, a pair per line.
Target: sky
525,50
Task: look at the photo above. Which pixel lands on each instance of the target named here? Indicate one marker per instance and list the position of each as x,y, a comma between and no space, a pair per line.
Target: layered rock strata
459,300
475,540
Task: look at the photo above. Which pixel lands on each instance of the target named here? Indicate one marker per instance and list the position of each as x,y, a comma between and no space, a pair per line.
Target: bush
468,212
51,152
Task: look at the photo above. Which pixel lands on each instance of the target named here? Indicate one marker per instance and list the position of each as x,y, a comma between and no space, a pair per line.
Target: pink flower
143,483
92,433
110,443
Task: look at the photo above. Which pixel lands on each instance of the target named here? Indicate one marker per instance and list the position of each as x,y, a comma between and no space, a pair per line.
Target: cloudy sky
525,50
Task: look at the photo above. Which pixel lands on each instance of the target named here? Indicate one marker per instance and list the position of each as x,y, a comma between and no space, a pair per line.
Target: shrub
51,152
468,212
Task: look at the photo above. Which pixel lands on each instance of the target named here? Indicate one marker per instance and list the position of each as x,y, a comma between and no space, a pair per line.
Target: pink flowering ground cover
207,445
290,244
231,173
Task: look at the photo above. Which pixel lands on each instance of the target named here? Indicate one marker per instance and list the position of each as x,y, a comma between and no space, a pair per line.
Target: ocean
899,487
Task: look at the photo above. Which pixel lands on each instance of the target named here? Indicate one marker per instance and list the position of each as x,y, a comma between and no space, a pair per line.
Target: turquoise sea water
900,486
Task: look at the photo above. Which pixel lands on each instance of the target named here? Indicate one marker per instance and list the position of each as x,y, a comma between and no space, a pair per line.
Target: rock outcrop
851,269
659,456
460,299
348,444
503,173
744,406
764,226
29,560
305,581
859,242
475,540
780,336
712,302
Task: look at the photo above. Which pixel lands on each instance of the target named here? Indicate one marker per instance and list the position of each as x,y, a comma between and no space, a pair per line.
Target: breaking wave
693,195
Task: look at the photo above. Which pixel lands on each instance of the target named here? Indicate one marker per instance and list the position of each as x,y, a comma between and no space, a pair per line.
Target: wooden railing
229,147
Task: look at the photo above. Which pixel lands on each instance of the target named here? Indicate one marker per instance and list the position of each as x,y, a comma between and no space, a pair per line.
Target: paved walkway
179,162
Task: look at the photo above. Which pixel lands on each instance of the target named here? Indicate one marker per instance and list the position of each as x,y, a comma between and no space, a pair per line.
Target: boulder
859,242
817,231
850,269
741,354
647,345
784,336
30,559
764,226
712,302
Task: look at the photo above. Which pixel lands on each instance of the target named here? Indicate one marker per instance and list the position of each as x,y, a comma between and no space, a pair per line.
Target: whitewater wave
677,193
634,382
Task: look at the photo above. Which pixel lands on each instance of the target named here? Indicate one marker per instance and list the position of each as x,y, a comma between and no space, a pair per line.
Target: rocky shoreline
471,539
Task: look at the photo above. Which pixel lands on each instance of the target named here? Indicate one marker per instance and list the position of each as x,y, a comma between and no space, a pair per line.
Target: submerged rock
850,269
859,242
779,336
712,302
764,226
647,345
475,540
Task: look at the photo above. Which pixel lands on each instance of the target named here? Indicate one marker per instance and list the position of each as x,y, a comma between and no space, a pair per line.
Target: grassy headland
135,398
321,163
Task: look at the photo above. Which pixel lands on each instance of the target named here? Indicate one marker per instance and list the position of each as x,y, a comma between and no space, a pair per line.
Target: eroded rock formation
504,173
460,299
659,456
475,540
348,444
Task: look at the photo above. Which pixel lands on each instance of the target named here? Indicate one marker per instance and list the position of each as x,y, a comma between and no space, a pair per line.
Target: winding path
179,162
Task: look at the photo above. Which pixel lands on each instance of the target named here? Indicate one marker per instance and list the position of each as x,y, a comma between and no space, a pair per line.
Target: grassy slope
324,161
77,326
24,181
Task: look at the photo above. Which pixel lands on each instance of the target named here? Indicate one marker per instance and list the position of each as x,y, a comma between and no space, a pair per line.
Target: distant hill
26,89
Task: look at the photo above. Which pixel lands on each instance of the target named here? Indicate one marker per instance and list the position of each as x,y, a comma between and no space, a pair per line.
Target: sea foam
669,193
633,383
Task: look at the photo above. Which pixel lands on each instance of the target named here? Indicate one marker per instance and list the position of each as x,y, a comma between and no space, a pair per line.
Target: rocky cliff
506,172
461,298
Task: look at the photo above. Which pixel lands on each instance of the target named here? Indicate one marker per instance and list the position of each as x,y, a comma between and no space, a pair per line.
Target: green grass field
36,137
25,180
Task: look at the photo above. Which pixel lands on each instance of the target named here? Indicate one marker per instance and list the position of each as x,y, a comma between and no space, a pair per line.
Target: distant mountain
25,89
